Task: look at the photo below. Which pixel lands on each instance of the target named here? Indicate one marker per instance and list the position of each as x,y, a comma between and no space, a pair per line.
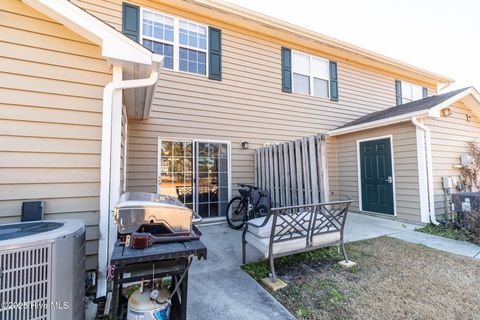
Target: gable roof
430,106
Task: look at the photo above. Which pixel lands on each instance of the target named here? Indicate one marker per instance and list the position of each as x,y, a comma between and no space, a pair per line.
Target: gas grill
146,218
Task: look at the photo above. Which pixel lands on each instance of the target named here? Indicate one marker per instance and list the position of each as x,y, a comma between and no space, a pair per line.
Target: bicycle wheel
236,211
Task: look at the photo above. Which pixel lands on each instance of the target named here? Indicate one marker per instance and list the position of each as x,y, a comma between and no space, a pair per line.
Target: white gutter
112,108
429,171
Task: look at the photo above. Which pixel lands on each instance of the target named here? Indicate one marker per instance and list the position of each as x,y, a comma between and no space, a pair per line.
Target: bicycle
252,203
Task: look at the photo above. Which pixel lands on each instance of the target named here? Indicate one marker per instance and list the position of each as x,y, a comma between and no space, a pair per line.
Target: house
171,105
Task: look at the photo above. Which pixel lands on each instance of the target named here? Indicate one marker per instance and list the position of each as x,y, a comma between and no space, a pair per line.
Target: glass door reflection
211,178
196,173
176,170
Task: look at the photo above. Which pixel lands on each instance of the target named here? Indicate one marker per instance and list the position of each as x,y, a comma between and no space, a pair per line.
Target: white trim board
114,44
359,172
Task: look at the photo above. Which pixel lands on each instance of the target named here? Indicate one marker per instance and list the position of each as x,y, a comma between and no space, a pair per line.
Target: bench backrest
307,221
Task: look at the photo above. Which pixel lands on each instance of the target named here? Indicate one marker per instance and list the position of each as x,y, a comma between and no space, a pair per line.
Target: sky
437,35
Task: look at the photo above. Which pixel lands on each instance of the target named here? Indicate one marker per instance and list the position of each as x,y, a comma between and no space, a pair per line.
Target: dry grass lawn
393,280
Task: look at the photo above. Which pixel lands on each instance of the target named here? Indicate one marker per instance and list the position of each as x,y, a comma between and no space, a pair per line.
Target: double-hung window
310,75
411,92
183,43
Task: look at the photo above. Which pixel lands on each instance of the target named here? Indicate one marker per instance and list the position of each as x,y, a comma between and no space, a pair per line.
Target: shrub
470,220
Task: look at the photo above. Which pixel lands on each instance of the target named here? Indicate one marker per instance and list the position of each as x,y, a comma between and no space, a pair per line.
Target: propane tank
149,305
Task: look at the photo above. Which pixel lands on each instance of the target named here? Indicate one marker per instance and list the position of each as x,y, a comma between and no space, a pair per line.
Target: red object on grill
142,240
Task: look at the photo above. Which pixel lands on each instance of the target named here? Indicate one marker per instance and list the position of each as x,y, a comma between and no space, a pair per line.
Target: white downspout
108,196
429,169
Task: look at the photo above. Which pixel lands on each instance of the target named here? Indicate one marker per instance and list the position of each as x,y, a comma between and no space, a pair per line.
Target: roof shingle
414,106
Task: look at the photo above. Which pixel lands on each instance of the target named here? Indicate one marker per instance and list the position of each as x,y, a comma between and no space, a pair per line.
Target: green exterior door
376,176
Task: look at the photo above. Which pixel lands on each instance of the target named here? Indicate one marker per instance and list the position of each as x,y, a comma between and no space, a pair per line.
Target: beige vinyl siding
450,138
123,150
405,167
51,83
247,105
109,11
332,169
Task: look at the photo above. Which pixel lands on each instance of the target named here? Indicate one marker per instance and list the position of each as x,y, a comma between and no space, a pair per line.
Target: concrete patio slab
440,243
219,289
362,227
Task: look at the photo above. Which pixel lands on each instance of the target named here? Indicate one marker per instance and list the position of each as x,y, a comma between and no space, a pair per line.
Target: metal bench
289,230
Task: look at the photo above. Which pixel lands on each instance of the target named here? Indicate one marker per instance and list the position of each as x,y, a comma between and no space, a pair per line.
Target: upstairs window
310,75
411,92
406,92
183,43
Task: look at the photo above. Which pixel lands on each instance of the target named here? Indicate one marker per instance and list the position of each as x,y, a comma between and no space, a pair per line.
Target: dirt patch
393,280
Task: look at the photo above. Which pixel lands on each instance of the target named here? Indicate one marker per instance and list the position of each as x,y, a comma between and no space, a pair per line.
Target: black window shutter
333,81
425,92
398,91
215,53
286,70
131,21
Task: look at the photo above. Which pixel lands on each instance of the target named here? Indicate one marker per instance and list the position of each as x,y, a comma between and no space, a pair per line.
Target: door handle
389,179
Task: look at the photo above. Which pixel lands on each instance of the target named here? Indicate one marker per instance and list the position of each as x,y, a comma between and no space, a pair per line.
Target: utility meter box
466,201
447,183
466,160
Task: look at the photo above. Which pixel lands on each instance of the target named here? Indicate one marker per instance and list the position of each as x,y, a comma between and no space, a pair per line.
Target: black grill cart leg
184,290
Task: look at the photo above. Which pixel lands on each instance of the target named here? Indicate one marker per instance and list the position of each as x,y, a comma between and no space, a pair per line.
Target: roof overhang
119,50
469,97
288,33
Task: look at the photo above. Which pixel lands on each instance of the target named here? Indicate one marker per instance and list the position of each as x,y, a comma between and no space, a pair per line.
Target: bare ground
393,280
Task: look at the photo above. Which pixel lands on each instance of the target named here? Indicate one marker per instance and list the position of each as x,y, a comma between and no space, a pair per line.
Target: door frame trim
359,172
193,141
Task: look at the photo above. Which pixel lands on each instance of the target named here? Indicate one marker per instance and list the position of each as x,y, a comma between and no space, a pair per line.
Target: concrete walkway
440,243
219,289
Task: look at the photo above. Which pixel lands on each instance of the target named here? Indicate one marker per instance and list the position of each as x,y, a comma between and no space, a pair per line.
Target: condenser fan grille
24,279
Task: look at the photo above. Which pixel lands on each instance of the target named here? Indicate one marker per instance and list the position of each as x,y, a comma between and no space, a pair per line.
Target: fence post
287,175
313,168
293,176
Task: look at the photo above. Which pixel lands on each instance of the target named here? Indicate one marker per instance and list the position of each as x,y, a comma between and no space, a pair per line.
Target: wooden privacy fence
294,172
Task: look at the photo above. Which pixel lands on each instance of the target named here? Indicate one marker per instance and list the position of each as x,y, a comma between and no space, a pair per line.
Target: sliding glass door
176,170
197,173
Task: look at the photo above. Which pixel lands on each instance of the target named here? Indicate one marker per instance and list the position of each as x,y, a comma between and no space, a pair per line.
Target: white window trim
176,41
411,84
310,76
359,174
